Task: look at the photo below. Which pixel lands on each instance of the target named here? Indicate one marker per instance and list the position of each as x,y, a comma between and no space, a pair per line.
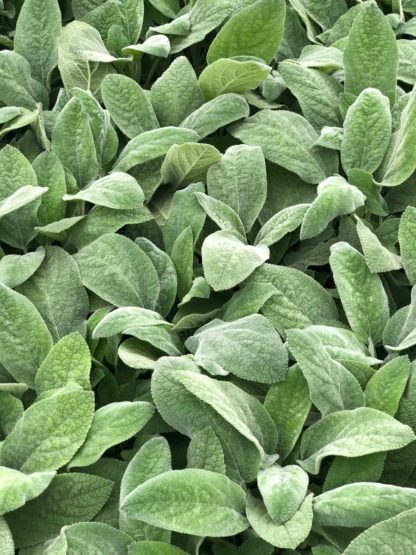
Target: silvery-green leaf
171,109
351,433
184,212
8,113
138,354
49,433
407,230
228,261
68,362
182,256
367,131
385,389
216,113
199,290
57,292
128,104
188,163
288,403
109,267
15,269
283,489
371,58
400,161
117,190
39,23
203,18
332,387
218,514
111,425
153,458
399,333
18,488
26,117
248,347
287,535
154,548
362,293
157,45
121,319
221,213
336,197
299,300
205,452
316,92
18,87
330,137
407,56
378,258
325,58
231,76
282,223
22,197
362,504
73,143
287,139
256,30
6,538
239,179
24,338
88,45
50,173
59,229
151,145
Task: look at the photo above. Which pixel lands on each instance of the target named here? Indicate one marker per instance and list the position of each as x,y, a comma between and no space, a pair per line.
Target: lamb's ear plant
207,277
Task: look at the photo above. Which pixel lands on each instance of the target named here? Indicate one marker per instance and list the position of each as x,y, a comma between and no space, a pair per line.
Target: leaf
22,197
73,143
220,213
109,267
117,190
50,173
67,363
112,424
362,294
18,488
288,535
395,533
182,256
154,548
57,292
288,403
287,139
83,535
377,257
332,387
316,92
367,131
282,490
282,223
173,109
88,45
248,347
370,57
406,239
122,319
158,45
255,31
399,333
299,300
220,513
335,198
49,433
151,145
70,498
228,261
188,163
24,338
239,179
216,113
205,452
6,538
362,504
351,433
19,89
39,23
231,76
15,269
122,97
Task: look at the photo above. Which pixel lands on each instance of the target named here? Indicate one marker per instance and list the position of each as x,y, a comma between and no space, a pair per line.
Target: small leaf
407,231
205,452
188,163
18,488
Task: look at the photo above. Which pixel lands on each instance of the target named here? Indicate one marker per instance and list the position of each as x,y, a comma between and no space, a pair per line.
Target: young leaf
385,389
219,514
351,433
399,333
407,230
362,294
111,425
18,488
228,261
378,258
221,213
188,163
15,269
256,31
82,535
282,223
205,452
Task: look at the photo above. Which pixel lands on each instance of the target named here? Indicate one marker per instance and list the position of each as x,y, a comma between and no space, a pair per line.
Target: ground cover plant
207,277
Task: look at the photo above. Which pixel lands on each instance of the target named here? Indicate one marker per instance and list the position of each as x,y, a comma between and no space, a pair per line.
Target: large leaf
218,513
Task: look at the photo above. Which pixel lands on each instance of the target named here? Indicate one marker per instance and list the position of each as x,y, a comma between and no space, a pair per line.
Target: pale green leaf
17,488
